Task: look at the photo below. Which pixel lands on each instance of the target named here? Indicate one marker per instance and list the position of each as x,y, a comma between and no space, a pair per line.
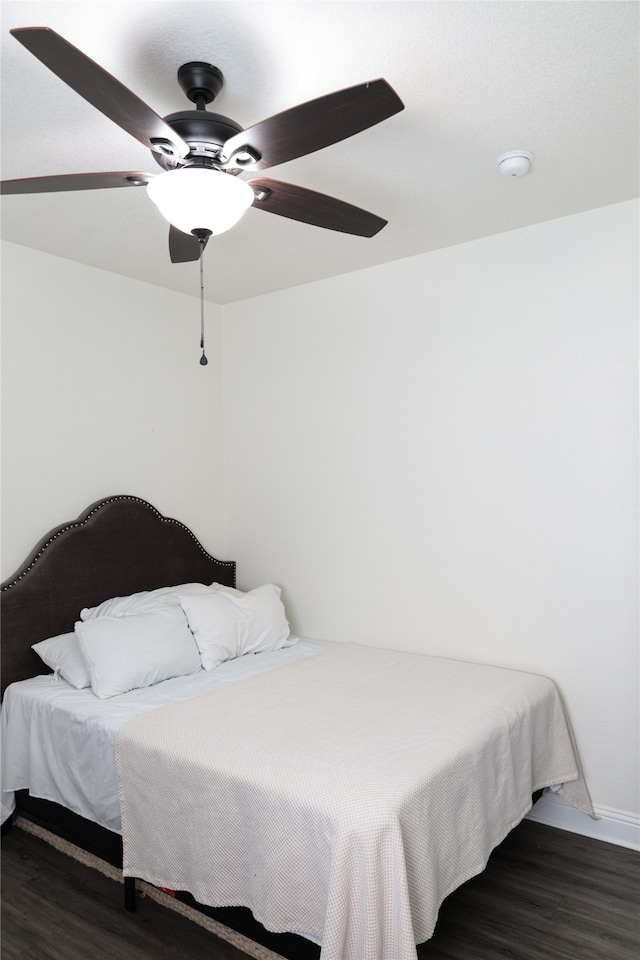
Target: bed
338,791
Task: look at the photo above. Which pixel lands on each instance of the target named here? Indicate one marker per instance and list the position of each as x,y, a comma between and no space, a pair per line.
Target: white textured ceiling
559,79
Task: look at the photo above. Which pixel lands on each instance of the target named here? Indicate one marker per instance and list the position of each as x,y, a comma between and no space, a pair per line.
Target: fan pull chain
202,236
203,359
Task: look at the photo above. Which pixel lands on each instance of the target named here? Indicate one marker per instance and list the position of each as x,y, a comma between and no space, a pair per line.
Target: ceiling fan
202,153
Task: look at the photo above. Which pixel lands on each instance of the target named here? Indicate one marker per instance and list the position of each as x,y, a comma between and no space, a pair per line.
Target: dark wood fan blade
101,89
183,247
75,181
316,124
307,206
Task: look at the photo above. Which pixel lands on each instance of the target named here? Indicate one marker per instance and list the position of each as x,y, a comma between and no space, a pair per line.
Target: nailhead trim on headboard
98,506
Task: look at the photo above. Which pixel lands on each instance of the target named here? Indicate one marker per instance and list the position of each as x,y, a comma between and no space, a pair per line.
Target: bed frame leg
130,894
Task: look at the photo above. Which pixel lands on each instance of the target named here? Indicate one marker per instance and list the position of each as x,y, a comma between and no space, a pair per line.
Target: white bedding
58,742
343,811
341,797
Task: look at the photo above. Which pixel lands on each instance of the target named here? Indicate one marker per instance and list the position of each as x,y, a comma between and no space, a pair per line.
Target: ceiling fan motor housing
206,133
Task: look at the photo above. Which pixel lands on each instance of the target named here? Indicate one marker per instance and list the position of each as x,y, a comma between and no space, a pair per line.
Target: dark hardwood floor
545,895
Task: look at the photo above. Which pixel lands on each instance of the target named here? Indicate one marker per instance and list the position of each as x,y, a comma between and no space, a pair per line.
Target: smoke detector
515,163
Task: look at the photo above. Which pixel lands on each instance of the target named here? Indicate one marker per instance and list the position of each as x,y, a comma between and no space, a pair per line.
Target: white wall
103,393
440,454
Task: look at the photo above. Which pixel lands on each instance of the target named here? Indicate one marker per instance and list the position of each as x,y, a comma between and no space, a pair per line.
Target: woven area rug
249,947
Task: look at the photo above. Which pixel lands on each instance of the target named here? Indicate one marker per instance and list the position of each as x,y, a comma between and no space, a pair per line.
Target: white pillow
124,653
226,626
63,654
144,602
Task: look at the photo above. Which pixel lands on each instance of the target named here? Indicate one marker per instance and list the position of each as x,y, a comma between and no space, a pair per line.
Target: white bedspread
342,797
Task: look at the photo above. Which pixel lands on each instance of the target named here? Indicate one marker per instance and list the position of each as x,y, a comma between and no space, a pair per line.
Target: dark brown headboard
118,546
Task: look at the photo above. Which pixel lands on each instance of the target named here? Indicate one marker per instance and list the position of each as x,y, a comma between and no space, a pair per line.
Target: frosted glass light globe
200,198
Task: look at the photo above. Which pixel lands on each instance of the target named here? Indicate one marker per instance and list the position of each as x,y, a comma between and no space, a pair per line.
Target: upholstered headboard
118,546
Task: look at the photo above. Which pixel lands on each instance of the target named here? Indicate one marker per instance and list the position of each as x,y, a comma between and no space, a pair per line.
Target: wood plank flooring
546,895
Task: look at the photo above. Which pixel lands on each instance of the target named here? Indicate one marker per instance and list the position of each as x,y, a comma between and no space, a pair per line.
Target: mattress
58,742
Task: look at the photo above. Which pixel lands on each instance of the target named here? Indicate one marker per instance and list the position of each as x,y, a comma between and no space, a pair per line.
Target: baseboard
613,826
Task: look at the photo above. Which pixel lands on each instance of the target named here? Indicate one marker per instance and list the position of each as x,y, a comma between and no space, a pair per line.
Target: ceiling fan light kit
200,198
515,163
